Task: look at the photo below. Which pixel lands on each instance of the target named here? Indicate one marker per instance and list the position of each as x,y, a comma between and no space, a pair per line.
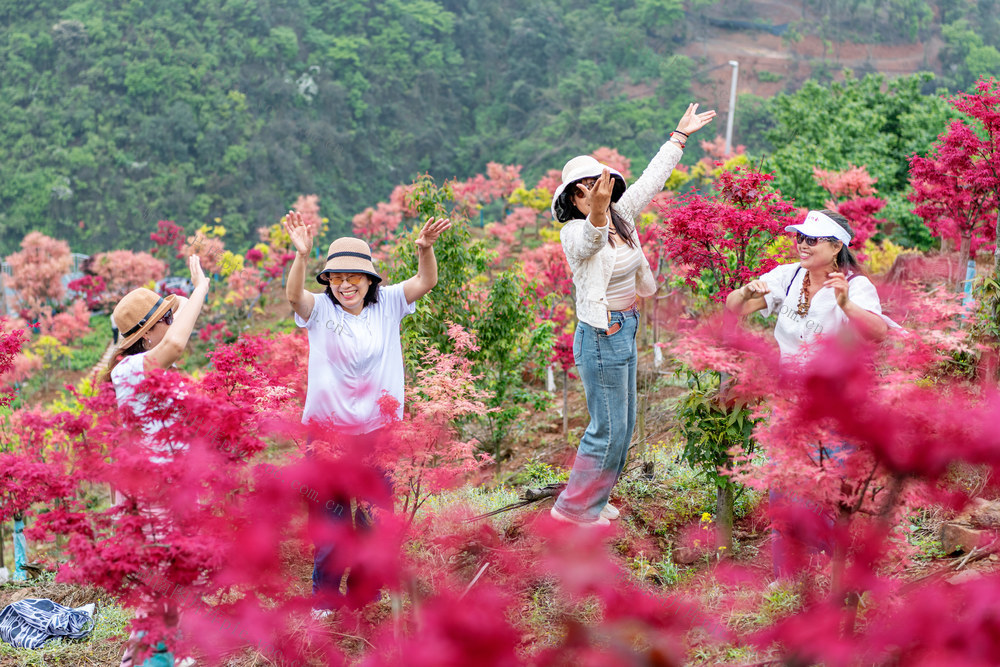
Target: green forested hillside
118,113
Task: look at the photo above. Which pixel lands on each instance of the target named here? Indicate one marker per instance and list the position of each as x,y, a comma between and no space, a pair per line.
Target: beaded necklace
803,308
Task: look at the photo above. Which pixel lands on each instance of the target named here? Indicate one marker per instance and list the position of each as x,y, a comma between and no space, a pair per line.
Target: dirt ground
795,61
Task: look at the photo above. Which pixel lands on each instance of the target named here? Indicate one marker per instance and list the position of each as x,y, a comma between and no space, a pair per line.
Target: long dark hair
621,225
846,261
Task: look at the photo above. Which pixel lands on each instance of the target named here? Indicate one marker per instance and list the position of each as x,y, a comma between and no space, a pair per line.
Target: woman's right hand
198,277
755,288
600,194
299,231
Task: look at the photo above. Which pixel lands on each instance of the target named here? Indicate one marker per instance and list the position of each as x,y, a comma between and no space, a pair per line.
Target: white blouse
795,334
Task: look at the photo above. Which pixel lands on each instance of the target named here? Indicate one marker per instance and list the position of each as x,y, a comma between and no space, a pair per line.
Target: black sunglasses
168,318
811,241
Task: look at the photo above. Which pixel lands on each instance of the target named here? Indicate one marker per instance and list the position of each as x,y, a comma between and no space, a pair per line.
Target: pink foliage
851,183
93,289
855,189
67,325
614,159
208,248
499,182
715,150
550,181
169,239
308,206
38,269
509,233
377,225
124,270
11,342
956,188
726,233
401,199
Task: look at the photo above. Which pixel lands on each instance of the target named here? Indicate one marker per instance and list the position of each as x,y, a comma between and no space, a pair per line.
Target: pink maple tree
725,233
168,239
853,191
38,269
123,270
956,187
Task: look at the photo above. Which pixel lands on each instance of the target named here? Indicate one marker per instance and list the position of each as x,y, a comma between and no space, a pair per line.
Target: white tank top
621,289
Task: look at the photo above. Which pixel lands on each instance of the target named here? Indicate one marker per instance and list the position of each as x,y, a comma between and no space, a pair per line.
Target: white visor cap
818,225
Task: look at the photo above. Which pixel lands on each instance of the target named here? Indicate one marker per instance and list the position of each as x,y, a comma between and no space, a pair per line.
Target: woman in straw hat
154,331
355,353
609,272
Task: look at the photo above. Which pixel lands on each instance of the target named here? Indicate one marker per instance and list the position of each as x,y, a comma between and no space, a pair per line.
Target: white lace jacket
592,258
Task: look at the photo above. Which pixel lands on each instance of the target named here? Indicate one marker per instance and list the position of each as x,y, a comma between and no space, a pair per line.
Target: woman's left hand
838,281
692,121
431,231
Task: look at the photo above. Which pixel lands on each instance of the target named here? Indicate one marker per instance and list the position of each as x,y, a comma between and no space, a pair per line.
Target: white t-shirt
794,333
353,360
125,377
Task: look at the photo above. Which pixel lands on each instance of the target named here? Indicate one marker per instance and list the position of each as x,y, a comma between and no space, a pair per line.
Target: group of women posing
353,324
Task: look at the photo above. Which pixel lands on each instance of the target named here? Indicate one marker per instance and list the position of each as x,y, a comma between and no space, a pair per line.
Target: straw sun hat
138,312
349,255
580,167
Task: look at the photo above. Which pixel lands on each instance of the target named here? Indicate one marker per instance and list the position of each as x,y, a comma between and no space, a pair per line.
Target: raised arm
427,268
171,347
639,194
301,233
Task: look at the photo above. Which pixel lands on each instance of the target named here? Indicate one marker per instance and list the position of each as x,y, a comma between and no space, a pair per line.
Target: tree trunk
963,260
724,500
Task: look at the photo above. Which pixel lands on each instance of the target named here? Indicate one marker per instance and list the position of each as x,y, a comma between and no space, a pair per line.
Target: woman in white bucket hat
609,272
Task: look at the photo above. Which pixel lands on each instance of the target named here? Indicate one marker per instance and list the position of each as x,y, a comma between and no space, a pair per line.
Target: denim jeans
607,366
327,574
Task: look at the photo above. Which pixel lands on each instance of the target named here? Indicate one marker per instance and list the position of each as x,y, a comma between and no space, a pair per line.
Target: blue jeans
607,366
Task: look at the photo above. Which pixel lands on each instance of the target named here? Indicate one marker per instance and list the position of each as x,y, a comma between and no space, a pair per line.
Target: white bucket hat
580,167
819,225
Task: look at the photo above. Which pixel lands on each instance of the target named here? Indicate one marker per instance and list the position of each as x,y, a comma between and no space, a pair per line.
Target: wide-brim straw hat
138,312
348,255
580,167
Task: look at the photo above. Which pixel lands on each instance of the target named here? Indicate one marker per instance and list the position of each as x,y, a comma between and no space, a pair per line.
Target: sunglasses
354,279
168,318
811,241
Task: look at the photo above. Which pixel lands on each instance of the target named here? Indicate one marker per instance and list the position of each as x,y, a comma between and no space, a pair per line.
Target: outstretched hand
692,121
300,232
431,231
198,277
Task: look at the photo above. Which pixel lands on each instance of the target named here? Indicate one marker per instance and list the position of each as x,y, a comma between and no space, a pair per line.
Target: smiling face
349,289
819,256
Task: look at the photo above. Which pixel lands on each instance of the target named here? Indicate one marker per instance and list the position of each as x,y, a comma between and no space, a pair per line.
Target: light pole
732,106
